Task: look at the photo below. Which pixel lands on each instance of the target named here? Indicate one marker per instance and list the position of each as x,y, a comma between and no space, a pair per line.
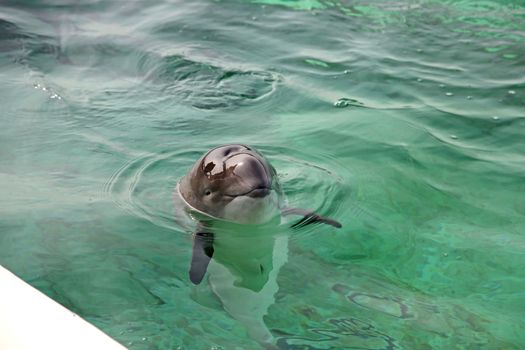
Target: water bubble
512,92
340,103
442,85
449,94
346,102
419,50
495,117
445,254
346,71
52,94
469,97
254,18
453,137
144,338
419,80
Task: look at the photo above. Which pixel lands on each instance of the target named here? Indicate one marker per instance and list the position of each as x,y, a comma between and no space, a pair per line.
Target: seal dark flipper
309,217
201,256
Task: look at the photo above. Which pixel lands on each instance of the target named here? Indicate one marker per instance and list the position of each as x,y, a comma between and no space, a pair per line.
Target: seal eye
207,192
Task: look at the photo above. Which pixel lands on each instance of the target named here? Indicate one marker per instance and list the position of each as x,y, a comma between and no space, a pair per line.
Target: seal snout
251,178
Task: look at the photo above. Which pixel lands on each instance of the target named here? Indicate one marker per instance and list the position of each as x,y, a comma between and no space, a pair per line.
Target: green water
403,120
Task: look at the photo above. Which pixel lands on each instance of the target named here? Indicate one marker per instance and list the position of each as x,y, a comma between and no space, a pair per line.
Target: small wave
206,86
9,31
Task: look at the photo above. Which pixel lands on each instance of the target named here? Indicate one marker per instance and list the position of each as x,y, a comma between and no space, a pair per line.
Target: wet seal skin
234,183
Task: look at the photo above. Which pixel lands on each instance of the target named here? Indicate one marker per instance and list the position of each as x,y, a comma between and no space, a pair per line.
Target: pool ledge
30,320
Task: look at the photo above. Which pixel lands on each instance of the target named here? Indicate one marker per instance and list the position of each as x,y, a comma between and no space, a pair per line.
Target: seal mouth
258,192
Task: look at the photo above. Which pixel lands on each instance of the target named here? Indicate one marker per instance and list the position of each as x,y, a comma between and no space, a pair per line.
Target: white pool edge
31,320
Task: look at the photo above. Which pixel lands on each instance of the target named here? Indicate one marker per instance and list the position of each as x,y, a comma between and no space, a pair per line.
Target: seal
234,194
234,183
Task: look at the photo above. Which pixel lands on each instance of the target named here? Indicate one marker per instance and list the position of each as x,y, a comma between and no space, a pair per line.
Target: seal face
234,183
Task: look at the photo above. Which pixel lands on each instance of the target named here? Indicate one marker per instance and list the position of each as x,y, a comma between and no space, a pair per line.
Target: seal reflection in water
233,194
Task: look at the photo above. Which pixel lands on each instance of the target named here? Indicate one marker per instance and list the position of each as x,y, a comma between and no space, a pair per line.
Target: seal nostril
229,150
207,192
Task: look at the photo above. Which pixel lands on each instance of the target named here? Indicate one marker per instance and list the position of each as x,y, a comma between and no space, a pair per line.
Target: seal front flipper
309,217
201,256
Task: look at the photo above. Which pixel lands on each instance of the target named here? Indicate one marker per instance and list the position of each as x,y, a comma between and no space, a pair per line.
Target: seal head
234,183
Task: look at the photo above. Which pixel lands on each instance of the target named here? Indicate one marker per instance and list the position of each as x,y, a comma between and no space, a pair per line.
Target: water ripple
206,86
144,185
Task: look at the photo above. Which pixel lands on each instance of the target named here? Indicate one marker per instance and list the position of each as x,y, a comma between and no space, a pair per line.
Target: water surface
403,120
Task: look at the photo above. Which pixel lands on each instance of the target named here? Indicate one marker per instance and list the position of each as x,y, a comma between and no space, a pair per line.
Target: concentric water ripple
144,186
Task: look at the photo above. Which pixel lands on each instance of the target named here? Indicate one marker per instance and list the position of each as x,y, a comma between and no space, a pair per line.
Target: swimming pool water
403,120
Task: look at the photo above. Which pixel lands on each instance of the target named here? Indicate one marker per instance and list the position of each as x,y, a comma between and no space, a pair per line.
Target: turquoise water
403,120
